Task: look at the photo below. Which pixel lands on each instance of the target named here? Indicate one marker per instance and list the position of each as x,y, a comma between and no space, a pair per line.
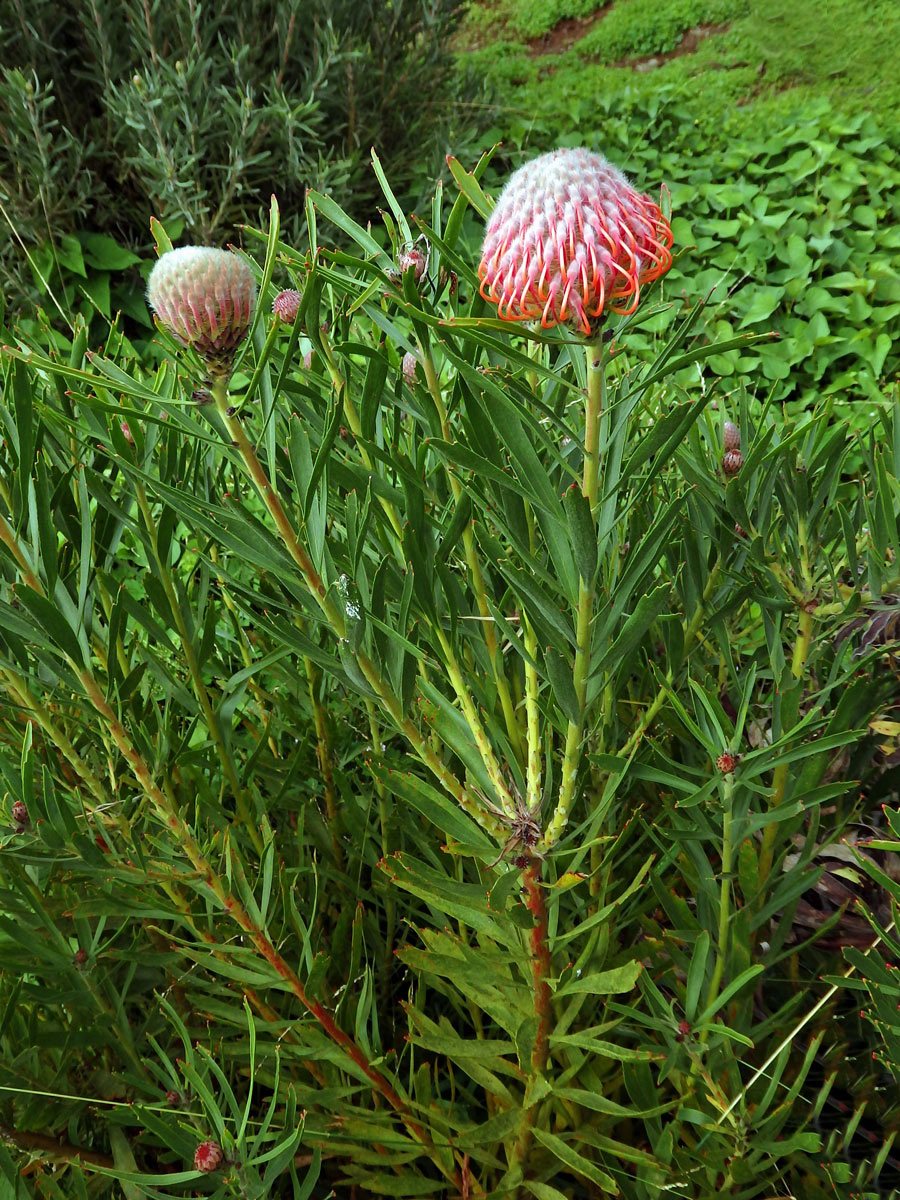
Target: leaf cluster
279,673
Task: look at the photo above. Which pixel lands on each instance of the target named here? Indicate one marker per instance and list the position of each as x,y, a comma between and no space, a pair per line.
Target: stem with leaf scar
595,403
390,701
539,945
166,809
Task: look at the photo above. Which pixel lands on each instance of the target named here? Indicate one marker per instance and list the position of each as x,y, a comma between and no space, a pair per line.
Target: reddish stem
539,941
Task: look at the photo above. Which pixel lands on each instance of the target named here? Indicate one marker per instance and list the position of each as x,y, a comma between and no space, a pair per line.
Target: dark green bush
113,112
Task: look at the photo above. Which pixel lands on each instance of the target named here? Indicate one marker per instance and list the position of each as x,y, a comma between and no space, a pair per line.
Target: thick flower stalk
568,238
204,298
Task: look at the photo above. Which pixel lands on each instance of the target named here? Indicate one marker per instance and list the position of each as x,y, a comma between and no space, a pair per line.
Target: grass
772,56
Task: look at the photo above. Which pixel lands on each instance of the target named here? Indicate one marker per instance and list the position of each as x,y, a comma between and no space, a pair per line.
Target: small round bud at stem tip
286,305
208,1156
726,762
412,259
205,298
409,366
20,813
732,461
731,436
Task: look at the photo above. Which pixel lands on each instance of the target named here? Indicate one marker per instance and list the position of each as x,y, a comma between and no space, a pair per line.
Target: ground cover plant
427,749
783,175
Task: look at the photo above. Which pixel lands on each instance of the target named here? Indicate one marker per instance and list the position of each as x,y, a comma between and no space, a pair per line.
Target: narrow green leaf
576,1162
696,974
559,672
582,531
470,187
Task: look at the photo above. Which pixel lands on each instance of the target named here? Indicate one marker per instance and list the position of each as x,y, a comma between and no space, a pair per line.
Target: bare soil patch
565,34
688,44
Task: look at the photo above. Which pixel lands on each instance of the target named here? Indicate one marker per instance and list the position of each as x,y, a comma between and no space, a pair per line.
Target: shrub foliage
284,673
112,112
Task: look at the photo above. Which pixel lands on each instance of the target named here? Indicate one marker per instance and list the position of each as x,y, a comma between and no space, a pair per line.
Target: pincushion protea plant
205,298
569,237
418,746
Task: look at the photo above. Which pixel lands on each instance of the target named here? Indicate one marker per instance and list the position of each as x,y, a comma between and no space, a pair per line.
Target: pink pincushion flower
570,236
205,298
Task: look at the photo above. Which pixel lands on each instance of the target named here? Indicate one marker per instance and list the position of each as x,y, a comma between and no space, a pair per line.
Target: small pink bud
205,298
208,1156
412,259
732,461
410,363
726,762
20,813
126,433
731,436
80,957
286,305
307,360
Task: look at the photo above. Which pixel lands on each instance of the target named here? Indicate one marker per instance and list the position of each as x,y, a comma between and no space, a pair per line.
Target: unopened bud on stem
204,298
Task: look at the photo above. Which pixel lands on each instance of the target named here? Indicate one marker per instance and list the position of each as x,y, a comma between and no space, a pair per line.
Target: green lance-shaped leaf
648,608
582,532
559,672
603,983
470,187
51,621
570,1158
462,514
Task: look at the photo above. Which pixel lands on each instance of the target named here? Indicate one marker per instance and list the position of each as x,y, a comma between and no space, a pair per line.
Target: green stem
596,400
596,403
532,711
491,765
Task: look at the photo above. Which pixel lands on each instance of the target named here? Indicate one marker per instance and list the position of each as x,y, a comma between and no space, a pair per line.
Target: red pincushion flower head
205,298
569,237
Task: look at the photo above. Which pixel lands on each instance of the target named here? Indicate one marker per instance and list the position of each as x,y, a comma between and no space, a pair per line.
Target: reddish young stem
540,960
